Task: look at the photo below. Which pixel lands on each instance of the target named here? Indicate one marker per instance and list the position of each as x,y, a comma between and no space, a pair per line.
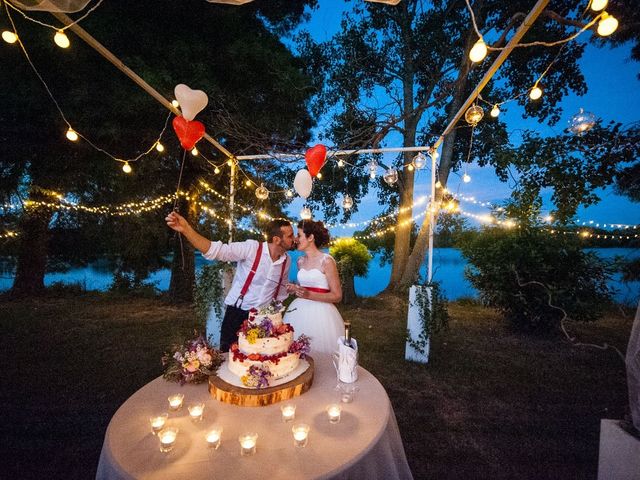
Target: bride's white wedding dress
320,321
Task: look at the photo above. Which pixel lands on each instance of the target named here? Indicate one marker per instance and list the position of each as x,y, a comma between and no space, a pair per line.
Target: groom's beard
293,247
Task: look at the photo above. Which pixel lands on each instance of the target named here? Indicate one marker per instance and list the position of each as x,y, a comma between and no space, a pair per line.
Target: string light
305,214
126,168
319,176
159,147
473,115
410,167
248,183
72,135
535,93
390,176
372,166
194,151
466,178
261,192
607,25
495,111
478,51
419,161
216,170
340,163
347,202
61,39
175,103
8,234
289,193
597,5
9,37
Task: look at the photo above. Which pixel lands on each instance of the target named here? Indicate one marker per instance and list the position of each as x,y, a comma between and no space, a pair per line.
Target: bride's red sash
317,290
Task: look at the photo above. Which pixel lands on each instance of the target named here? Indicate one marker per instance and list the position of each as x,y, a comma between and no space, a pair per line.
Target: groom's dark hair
273,229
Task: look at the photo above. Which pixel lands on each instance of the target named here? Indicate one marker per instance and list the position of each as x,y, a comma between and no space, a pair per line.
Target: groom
261,274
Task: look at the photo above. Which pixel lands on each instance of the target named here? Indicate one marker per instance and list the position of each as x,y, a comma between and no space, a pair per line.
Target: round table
365,443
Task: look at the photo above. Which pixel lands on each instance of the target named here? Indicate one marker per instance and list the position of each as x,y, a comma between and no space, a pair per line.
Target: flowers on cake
262,329
301,346
192,362
257,377
272,308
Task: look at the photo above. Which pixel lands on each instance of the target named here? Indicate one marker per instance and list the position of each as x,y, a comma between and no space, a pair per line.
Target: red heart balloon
188,132
315,158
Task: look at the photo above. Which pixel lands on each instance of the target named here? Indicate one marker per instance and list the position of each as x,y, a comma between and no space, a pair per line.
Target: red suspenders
252,273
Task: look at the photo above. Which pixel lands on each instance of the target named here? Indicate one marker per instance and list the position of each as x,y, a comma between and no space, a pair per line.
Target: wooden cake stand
252,397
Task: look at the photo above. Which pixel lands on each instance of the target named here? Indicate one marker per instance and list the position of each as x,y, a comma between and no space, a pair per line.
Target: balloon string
175,204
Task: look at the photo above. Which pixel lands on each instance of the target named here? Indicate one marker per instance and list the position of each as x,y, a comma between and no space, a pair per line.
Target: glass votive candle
248,443
167,438
214,436
175,401
195,411
157,422
300,434
347,393
288,412
333,412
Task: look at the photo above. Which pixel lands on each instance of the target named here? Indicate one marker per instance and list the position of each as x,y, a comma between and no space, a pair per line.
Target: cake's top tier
272,312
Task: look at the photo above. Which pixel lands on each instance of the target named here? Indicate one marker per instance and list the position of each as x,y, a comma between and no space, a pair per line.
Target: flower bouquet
192,362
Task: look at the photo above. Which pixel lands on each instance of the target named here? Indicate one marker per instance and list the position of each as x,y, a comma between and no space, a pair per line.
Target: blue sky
612,95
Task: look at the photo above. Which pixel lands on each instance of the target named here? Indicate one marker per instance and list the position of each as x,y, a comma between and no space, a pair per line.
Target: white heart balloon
192,102
303,183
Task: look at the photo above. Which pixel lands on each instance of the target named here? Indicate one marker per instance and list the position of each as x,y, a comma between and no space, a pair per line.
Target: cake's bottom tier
284,367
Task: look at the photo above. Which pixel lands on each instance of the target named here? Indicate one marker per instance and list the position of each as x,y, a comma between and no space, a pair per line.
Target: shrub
501,261
352,258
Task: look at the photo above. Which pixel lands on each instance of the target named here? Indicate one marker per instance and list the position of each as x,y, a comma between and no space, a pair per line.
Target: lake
448,267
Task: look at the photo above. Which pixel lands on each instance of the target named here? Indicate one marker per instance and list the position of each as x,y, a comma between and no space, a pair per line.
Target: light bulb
435,154
438,184
262,193
479,51
230,162
216,170
9,37
194,151
372,166
495,111
305,214
347,202
126,168
61,39
72,135
248,183
597,5
607,25
466,178
289,193
410,167
535,93
340,163
319,176
419,161
159,147
175,103
390,176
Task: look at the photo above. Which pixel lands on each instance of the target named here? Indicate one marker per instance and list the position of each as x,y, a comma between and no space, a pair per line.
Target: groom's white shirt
266,278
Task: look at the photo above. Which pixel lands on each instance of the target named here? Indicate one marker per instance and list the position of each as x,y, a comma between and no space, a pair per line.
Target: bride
313,313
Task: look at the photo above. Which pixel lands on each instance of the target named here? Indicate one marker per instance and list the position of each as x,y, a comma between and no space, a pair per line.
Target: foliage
126,283
208,292
192,362
504,262
351,256
434,315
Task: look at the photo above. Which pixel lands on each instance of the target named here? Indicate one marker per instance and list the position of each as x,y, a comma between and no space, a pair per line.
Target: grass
489,404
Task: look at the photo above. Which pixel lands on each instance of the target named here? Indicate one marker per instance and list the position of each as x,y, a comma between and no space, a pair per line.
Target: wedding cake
265,350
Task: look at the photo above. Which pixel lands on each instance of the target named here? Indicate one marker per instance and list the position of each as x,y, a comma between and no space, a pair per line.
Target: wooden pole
84,35
524,27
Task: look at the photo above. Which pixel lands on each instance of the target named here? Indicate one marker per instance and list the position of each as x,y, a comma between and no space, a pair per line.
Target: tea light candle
213,437
167,439
248,443
300,435
158,422
333,412
288,412
175,401
195,411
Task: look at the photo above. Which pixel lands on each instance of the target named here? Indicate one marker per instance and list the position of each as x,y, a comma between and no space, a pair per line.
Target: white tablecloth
366,444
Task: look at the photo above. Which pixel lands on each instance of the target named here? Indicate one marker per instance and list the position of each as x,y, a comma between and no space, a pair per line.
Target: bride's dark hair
317,229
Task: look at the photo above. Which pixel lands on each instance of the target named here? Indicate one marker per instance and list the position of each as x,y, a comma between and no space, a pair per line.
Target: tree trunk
348,290
415,260
183,271
32,252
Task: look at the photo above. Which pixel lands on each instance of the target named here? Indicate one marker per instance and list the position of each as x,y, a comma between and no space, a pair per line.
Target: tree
404,71
352,259
235,55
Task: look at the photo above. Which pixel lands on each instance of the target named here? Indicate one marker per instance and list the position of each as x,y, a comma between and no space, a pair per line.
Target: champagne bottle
347,334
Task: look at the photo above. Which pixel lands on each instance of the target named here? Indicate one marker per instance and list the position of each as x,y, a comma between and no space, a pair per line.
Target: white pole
334,153
232,194
432,208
